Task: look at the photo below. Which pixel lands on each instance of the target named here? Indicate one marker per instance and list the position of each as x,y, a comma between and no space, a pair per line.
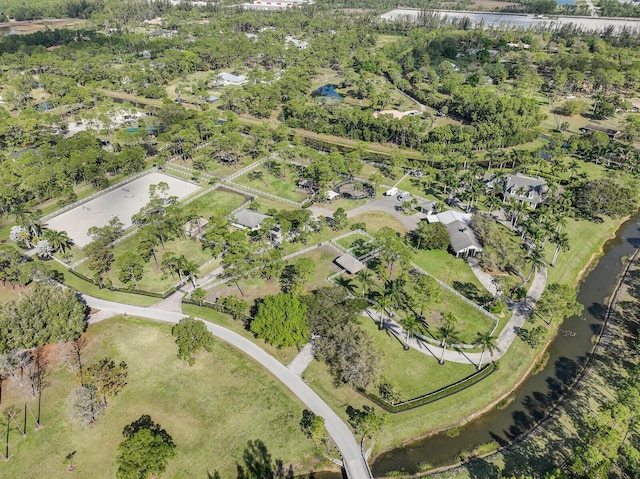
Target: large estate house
526,189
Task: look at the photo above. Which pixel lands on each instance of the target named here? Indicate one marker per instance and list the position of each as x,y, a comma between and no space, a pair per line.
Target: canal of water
538,393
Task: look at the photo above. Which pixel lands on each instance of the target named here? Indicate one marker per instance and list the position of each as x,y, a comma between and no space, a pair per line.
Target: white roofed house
526,189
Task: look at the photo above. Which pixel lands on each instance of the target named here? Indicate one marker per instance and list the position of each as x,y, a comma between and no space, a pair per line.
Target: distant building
299,44
611,132
526,189
226,78
248,219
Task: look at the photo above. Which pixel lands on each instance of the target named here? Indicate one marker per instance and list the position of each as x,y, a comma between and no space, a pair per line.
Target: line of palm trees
415,326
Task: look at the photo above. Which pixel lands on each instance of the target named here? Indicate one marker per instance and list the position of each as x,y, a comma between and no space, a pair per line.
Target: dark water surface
538,392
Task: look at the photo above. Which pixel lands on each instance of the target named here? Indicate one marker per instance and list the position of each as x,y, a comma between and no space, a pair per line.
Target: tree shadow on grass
258,463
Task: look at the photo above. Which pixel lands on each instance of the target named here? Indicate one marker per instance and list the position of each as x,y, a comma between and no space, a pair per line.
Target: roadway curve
353,460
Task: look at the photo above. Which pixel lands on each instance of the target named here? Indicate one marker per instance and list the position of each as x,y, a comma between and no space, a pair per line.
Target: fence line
247,168
97,194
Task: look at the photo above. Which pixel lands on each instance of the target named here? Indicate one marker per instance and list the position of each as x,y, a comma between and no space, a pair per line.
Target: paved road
353,460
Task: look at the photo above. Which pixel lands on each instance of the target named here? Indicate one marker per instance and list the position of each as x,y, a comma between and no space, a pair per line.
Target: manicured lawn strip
284,355
210,409
91,289
376,220
153,279
343,203
585,240
266,204
414,373
275,185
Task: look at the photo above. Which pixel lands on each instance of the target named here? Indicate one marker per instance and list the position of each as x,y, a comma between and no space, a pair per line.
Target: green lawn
348,241
445,413
414,373
585,241
210,409
219,199
153,279
284,187
83,286
451,270
256,287
377,219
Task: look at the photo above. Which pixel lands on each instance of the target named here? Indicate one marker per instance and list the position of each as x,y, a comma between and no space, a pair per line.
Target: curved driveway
353,460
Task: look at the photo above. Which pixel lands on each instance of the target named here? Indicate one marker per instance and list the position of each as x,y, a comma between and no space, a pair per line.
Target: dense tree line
44,314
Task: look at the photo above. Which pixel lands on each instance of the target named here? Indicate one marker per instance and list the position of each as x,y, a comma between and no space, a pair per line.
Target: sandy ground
122,202
26,27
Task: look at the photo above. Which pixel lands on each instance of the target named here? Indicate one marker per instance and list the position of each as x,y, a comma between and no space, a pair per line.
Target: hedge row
435,395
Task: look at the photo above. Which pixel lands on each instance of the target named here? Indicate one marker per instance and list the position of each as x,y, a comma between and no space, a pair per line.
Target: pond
327,91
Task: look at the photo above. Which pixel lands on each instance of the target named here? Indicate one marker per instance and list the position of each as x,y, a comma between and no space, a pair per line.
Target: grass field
210,409
377,219
347,242
256,287
284,187
412,372
453,271
219,199
585,240
153,279
445,413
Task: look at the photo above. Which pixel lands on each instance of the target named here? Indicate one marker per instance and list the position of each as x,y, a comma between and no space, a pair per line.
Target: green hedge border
431,397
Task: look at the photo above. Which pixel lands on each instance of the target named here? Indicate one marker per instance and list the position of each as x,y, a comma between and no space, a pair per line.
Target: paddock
123,202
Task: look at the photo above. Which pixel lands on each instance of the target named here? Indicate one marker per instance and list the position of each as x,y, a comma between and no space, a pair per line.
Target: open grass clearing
282,186
153,278
83,286
220,199
445,413
585,240
376,220
210,409
255,287
348,241
414,373
453,271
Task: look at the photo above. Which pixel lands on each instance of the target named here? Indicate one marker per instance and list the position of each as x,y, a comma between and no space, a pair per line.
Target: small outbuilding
611,132
428,207
195,227
350,264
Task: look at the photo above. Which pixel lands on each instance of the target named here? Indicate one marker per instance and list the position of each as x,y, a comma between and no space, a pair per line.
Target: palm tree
383,303
487,343
366,278
448,335
191,269
412,327
59,240
537,261
562,243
